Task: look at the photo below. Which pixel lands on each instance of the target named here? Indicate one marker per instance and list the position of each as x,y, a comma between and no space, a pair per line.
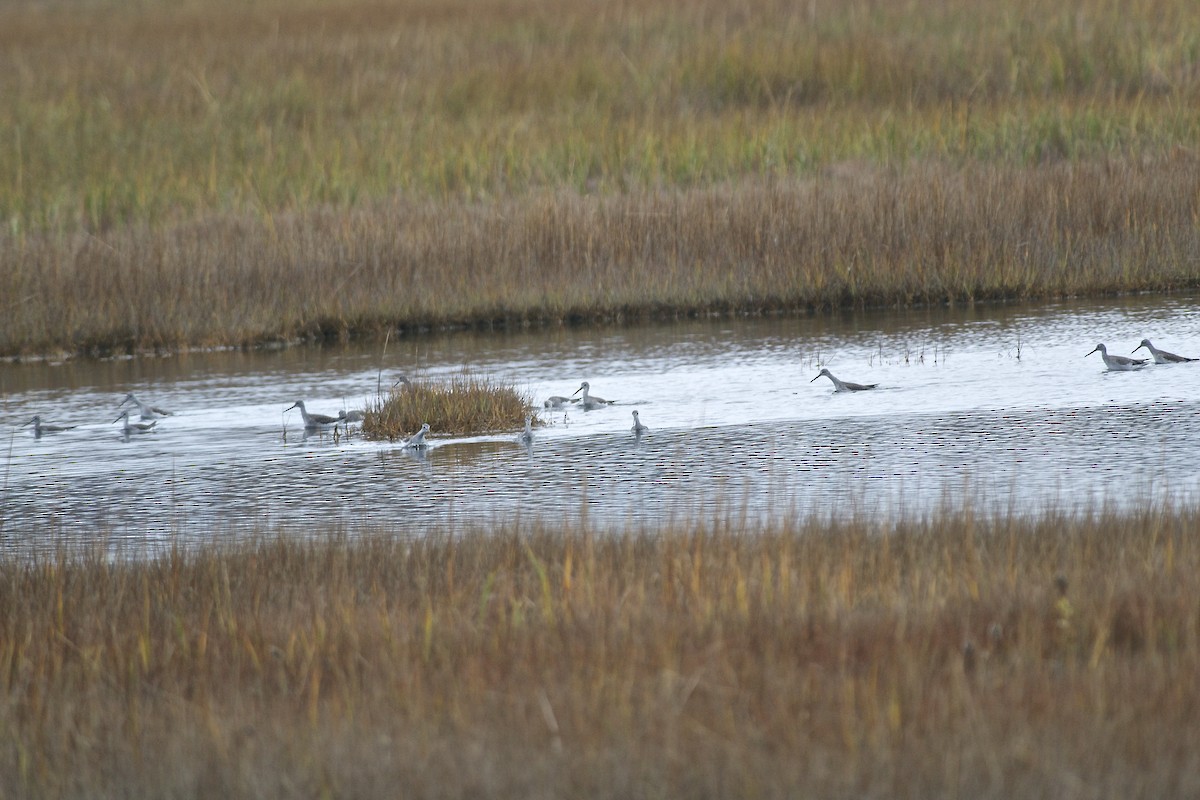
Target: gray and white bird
314,422
40,427
417,440
558,402
1162,356
526,436
1118,363
638,428
135,427
146,410
588,401
845,386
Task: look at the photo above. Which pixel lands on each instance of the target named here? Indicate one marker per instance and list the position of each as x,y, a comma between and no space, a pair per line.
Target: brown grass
196,174
934,658
465,404
927,234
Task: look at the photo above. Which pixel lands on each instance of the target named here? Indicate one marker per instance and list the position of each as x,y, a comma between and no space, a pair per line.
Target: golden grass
928,234
931,658
124,115
196,174
465,404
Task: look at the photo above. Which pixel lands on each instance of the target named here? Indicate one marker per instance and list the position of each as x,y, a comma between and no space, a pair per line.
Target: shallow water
996,406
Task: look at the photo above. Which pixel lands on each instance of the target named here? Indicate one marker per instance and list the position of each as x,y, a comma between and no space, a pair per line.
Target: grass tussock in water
464,404
224,174
948,657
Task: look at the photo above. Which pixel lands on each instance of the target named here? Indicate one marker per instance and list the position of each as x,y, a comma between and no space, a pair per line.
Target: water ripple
998,407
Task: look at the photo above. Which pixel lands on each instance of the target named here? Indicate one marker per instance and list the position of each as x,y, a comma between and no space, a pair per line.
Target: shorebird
146,411
526,436
589,402
418,438
638,428
1118,362
558,402
402,379
313,421
135,427
1162,356
39,428
844,386
353,415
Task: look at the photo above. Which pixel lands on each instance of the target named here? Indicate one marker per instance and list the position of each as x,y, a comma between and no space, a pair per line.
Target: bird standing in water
845,386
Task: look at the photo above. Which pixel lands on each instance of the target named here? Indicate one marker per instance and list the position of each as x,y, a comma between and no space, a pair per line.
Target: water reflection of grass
465,404
952,655
224,173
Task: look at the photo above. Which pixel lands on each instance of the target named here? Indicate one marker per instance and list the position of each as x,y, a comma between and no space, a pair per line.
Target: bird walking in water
526,436
314,422
845,386
354,415
558,402
418,439
1118,363
638,428
39,427
588,401
145,410
135,427
1161,356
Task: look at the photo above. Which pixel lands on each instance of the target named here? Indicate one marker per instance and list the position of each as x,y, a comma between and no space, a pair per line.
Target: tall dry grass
946,657
190,174
858,237
464,404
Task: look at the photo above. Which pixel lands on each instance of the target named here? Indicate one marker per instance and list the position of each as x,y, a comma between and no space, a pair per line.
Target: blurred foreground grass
946,657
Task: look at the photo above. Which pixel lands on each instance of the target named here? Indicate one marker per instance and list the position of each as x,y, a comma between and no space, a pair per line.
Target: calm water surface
998,406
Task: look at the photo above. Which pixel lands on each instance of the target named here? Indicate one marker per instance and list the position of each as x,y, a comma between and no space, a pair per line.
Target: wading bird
314,421
1162,356
588,401
845,386
418,438
1119,363
39,428
146,411
134,427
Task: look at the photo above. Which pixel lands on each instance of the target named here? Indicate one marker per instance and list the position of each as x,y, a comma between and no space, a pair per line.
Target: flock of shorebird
1125,363
148,417
582,397
590,402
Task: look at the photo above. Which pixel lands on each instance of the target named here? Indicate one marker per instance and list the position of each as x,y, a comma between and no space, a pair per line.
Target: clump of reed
464,404
948,656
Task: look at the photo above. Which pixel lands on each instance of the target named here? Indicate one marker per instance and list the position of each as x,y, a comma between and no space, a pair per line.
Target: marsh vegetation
948,656
198,174
223,174
464,404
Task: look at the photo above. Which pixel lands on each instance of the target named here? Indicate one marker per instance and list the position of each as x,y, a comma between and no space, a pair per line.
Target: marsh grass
464,404
949,656
862,237
190,175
